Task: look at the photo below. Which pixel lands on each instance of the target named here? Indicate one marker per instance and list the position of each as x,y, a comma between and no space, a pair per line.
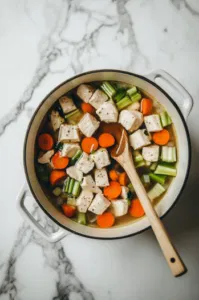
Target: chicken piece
68,133
56,120
85,91
70,150
134,106
151,153
88,125
101,158
73,172
153,123
131,120
83,201
119,207
88,184
139,139
99,204
98,98
124,193
107,112
45,158
84,163
101,177
67,104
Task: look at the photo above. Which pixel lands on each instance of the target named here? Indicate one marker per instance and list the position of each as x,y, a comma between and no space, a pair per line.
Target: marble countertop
42,43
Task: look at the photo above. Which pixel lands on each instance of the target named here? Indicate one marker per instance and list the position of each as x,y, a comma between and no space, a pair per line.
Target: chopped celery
129,202
119,95
81,218
124,102
76,189
67,183
156,191
137,156
158,178
71,184
147,163
76,156
57,191
165,119
136,97
166,169
108,89
140,164
153,166
73,117
168,154
71,201
145,178
131,188
132,91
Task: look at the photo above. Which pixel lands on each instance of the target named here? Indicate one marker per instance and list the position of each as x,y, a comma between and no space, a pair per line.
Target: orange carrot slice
146,106
68,210
89,144
123,178
56,176
87,108
113,175
106,140
113,190
45,141
136,210
162,137
59,162
105,220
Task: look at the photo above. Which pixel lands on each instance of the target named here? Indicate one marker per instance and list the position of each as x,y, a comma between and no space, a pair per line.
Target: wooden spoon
123,156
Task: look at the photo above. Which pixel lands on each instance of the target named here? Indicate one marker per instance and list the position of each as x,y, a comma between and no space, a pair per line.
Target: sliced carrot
146,106
106,140
113,175
87,108
89,144
68,210
123,178
45,141
113,190
59,162
136,210
56,176
162,137
105,220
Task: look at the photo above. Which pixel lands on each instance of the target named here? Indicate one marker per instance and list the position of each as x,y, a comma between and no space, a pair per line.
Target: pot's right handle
50,237
186,103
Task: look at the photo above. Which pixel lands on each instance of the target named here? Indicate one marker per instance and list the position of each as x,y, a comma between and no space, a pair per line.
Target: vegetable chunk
119,207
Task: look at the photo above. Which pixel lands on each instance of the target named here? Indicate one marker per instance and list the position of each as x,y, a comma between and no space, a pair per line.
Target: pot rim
128,73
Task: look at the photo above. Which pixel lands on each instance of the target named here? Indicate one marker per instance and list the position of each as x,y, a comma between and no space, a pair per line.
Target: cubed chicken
99,204
134,106
68,133
151,153
73,172
70,150
101,177
139,139
56,120
84,200
153,123
67,104
119,207
98,98
107,112
85,91
101,158
88,184
131,120
124,192
45,158
85,163
88,125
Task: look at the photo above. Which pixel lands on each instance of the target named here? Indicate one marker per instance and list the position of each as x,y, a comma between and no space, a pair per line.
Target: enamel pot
178,110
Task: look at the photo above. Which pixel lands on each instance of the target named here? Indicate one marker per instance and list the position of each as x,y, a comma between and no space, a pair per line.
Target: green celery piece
67,183
76,189
76,156
158,178
108,89
81,218
57,191
119,95
124,102
166,169
136,97
132,91
71,184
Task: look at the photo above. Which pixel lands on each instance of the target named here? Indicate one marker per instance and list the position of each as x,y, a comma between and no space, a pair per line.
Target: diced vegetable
105,220
123,179
76,189
106,140
76,156
73,117
131,188
136,210
56,176
66,185
165,119
168,154
124,102
120,94
136,97
146,106
59,162
108,89
138,159
162,137
81,218
89,144
45,141
147,163
166,169
74,173
57,191
70,149
71,201
68,210
119,207
114,176
113,190
71,185
88,184
87,108
158,178
145,178
156,191
132,91
153,166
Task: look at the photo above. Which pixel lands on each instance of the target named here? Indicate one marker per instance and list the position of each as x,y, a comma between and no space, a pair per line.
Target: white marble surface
42,43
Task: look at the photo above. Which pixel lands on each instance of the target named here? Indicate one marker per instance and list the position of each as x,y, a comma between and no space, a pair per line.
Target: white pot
178,112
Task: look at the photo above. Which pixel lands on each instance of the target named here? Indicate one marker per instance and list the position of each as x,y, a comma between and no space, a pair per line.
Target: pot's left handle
50,237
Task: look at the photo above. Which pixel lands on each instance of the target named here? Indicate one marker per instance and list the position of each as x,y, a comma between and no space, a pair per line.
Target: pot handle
50,237
186,102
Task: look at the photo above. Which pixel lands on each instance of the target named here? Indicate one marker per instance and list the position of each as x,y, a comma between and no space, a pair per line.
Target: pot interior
183,155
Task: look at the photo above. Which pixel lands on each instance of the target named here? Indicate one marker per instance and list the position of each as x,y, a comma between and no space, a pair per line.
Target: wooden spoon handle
173,259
